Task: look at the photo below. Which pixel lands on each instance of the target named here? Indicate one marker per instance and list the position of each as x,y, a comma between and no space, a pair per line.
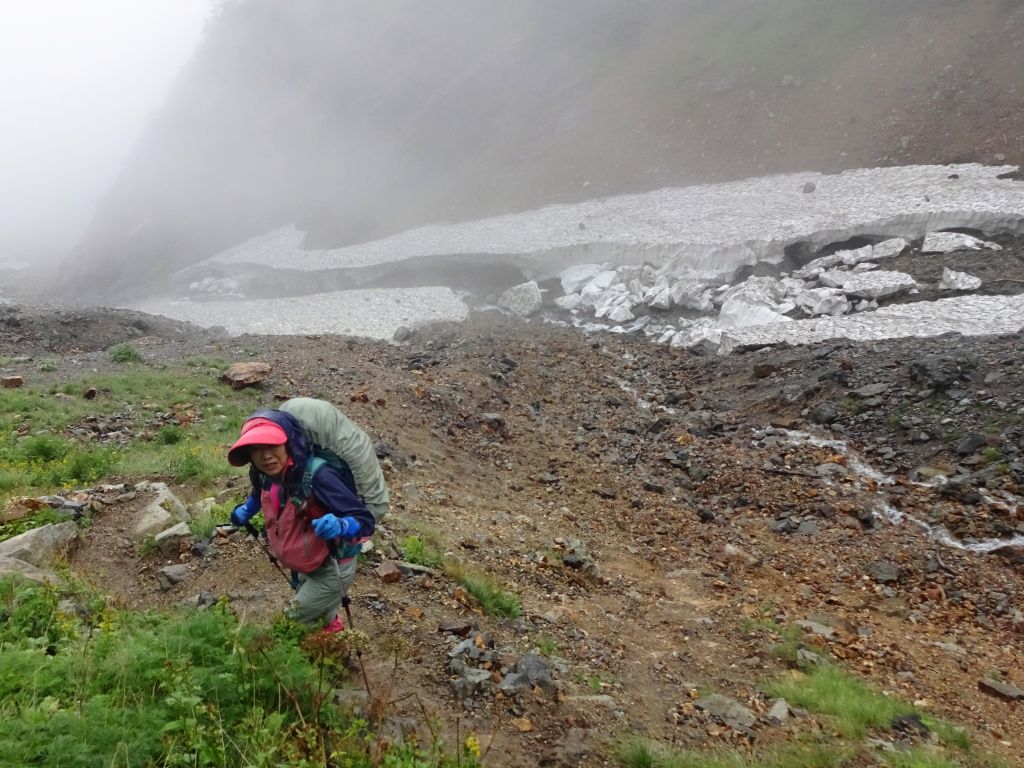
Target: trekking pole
345,603
253,531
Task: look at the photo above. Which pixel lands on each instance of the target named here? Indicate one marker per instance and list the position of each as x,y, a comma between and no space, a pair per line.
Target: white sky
78,79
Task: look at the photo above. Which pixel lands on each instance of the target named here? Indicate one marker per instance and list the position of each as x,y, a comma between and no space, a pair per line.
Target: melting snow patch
372,313
968,315
716,227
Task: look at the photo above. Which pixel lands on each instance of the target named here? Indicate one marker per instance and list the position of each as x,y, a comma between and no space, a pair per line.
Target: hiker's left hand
330,527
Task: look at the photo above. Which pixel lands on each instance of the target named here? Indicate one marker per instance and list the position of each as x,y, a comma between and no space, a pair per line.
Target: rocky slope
354,123
661,515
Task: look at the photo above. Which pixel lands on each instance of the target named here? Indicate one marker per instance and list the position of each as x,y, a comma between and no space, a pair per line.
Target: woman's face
269,459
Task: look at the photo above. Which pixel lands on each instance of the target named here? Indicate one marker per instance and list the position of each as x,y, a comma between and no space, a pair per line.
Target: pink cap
258,431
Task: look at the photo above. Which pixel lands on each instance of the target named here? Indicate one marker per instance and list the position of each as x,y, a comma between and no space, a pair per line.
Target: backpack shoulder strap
313,465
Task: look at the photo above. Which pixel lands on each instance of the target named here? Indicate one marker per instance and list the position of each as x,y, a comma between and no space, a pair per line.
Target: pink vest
290,531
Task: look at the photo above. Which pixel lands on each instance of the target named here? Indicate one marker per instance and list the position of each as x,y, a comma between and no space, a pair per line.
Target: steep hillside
684,552
357,120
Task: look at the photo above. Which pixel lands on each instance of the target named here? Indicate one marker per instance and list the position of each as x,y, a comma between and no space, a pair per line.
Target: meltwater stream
894,516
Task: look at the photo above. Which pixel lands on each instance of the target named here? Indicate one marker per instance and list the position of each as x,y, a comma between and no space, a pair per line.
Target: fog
356,120
79,80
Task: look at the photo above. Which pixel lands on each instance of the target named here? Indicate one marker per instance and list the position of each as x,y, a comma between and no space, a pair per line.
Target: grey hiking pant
320,593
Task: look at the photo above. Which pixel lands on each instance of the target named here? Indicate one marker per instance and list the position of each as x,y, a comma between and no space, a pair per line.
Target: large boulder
13,566
854,257
40,546
741,312
578,275
161,512
888,248
823,301
688,293
524,299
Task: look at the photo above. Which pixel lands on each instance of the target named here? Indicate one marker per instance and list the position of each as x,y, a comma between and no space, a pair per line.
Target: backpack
335,438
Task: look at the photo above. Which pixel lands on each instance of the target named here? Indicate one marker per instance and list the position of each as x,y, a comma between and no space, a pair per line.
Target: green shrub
992,454
170,434
204,524
547,645
43,448
125,353
96,687
416,551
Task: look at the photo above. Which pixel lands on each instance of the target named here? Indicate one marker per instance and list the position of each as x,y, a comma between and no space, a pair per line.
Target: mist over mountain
356,120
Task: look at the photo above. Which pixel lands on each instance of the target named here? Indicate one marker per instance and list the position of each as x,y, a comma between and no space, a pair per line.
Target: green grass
204,524
918,758
636,753
36,520
951,735
99,687
169,434
851,711
418,552
214,363
38,454
485,589
547,645
492,598
853,706
124,353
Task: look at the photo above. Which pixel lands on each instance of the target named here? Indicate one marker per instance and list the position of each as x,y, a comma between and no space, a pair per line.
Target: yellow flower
473,746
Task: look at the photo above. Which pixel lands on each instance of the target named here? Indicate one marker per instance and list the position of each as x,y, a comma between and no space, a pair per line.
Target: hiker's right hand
330,527
245,511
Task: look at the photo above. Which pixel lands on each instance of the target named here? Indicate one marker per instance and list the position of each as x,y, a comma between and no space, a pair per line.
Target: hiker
314,520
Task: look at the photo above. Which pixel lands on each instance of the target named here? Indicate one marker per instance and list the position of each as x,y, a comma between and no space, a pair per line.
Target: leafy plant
416,551
125,353
547,645
43,448
27,523
169,434
147,546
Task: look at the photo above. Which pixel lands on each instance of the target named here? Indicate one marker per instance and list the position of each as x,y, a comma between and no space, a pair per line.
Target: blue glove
245,511
330,527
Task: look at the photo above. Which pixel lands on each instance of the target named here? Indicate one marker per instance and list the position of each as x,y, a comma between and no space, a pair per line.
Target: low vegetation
484,588
84,684
849,711
168,424
125,353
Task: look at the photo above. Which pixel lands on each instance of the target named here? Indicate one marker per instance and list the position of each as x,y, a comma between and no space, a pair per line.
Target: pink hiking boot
337,625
